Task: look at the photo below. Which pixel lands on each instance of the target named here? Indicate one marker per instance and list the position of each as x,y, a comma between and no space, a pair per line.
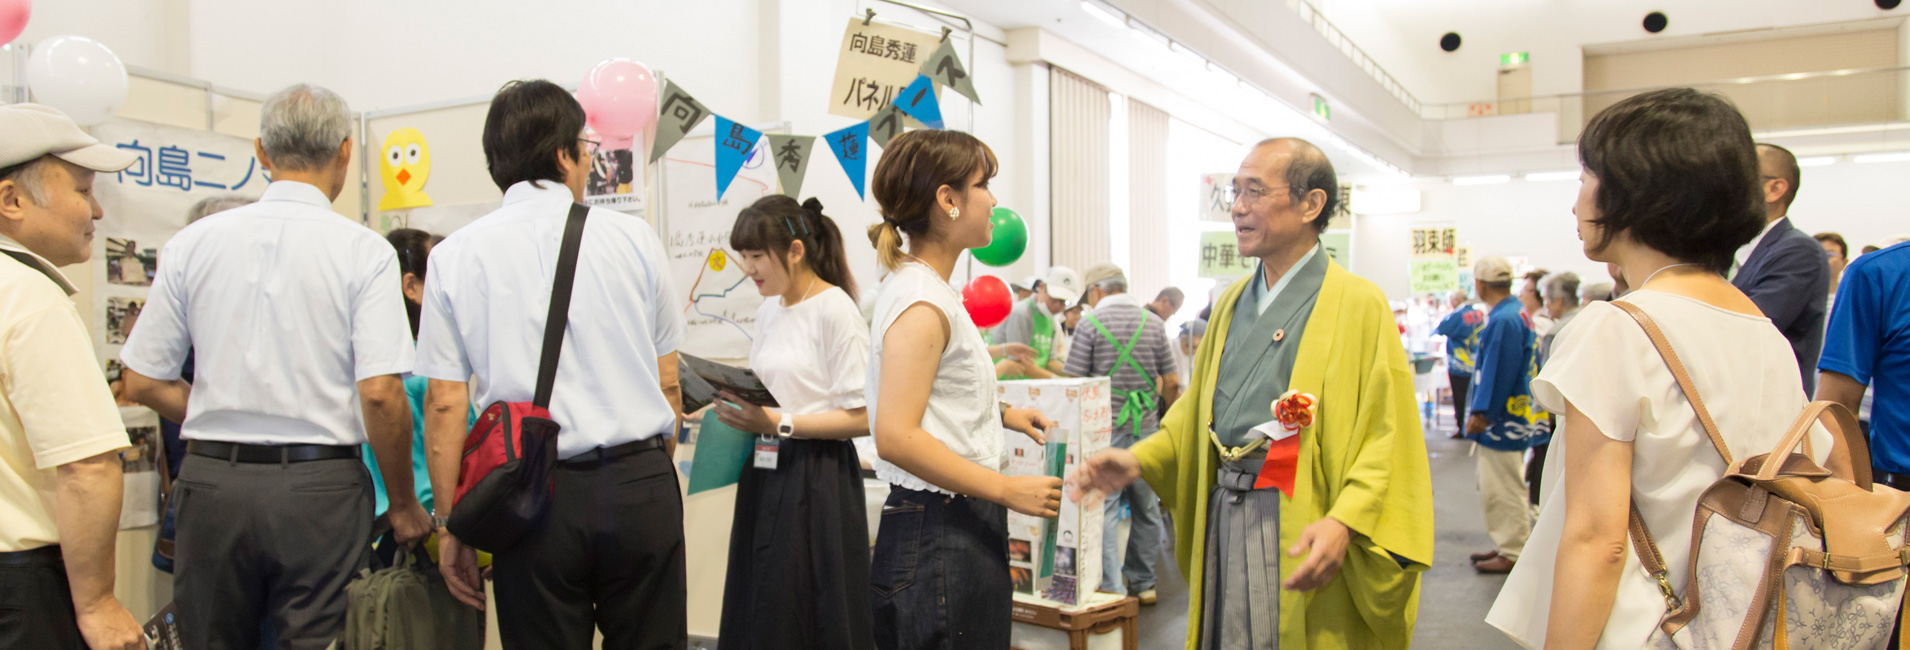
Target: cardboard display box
1058,559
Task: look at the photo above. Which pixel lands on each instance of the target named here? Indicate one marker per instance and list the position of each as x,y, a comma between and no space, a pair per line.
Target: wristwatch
787,427
438,522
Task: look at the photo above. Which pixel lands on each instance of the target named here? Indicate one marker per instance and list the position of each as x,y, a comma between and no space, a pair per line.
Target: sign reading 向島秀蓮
876,62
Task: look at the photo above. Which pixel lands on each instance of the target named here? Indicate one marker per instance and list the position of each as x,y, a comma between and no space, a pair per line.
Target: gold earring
954,213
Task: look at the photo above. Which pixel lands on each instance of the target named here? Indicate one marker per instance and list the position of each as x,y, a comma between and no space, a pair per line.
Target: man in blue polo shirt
1504,420
1868,345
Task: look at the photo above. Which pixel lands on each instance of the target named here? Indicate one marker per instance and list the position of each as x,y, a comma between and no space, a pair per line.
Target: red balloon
987,300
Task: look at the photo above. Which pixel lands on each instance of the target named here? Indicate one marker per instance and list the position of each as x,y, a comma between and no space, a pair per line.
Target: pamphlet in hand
701,378
162,631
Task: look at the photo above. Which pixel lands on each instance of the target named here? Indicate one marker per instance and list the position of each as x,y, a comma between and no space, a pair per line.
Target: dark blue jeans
940,574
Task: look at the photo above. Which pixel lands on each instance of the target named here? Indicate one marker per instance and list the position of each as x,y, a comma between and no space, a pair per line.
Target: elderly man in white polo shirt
609,554
59,430
296,320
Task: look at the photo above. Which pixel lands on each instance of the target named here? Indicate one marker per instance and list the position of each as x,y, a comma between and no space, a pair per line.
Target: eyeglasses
591,146
1251,194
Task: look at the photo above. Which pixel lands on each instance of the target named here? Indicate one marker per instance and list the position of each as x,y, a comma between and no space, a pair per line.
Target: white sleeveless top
1607,367
962,408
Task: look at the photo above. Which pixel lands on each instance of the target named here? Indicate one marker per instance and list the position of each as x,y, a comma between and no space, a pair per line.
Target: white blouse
1605,365
813,356
963,410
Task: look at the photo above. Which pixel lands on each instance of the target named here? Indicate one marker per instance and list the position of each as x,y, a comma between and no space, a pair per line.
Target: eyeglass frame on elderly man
1234,193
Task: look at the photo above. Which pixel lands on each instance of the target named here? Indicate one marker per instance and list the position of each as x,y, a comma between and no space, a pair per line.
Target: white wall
145,33
1864,203
1403,35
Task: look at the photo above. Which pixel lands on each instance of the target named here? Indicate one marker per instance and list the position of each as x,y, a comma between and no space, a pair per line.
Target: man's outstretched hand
1107,472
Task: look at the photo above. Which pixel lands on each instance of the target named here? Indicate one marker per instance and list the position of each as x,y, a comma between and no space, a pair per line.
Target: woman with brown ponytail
940,574
799,546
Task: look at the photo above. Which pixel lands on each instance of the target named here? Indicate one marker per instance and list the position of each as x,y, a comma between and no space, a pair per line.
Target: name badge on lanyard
766,450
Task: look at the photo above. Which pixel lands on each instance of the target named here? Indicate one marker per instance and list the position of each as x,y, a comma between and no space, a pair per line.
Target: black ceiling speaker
1888,4
1450,41
1655,21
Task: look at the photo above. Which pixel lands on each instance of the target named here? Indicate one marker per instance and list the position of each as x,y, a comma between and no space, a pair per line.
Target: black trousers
608,555
268,542
36,604
1461,384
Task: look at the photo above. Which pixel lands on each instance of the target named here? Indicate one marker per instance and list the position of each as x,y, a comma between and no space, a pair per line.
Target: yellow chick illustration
405,164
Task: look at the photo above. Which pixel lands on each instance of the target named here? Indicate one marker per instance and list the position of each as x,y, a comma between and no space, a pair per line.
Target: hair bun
812,205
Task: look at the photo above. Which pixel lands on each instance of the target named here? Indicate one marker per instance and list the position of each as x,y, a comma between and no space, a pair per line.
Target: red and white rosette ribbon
1294,411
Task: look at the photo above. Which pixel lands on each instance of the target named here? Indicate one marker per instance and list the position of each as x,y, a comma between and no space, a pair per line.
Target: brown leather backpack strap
1649,556
1690,389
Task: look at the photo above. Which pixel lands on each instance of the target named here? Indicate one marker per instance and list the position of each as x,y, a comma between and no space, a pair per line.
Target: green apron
1041,337
1135,404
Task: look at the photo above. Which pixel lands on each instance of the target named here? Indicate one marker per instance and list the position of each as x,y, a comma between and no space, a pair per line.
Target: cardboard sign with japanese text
875,63
1058,559
144,206
1216,199
1220,259
1434,265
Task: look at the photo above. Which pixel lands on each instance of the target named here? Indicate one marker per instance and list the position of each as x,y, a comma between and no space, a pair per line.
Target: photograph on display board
1024,579
1020,550
128,264
121,314
143,455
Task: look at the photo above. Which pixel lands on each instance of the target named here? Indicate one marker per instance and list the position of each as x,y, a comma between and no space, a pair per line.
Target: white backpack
1784,553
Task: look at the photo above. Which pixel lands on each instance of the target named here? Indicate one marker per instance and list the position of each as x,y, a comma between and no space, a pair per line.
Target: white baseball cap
29,131
1492,268
1028,283
1063,284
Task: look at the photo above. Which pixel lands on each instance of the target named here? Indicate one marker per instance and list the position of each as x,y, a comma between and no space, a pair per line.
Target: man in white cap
60,432
1504,419
1036,322
1025,289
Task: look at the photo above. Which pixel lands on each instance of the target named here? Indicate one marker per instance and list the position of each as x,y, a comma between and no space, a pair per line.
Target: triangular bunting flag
850,146
790,153
678,114
885,124
946,69
918,101
733,144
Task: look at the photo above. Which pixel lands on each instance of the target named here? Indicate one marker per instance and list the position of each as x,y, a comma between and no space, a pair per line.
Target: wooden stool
1081,624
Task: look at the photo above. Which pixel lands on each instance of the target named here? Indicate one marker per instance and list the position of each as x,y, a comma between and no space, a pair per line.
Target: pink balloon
619,98
13,18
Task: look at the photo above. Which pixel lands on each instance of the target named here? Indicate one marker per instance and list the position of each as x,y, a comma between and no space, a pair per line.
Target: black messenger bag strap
559,317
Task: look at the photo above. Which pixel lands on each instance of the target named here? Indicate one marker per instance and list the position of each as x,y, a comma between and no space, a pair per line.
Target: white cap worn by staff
60,432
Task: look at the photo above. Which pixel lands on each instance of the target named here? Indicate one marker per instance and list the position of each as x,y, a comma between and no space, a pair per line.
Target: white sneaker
1148,597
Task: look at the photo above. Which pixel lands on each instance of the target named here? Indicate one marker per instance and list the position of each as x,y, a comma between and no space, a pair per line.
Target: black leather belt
42,556
239,452
1899,481
602,455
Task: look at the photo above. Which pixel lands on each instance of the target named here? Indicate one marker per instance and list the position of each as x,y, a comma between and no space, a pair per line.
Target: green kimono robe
1363,462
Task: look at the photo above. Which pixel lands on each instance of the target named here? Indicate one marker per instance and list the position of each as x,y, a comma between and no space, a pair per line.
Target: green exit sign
1321,109
1514,58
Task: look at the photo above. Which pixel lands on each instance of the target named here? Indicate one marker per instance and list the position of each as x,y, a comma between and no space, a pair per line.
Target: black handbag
504,482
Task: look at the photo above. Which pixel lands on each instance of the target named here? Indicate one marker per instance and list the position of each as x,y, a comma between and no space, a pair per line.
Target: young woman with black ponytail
799,547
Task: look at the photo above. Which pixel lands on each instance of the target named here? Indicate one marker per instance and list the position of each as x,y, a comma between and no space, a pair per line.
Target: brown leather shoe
1494,565
1481,557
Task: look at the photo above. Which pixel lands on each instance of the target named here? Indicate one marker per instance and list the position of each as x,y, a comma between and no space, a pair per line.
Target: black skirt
799,553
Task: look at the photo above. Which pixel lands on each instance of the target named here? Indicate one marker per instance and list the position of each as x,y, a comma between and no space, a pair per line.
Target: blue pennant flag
733,144
852,152
918,101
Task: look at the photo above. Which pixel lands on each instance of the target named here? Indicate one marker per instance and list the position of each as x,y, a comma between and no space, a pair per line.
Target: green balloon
1011,239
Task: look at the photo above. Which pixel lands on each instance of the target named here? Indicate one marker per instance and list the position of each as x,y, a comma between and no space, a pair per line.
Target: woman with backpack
1670,191
799,547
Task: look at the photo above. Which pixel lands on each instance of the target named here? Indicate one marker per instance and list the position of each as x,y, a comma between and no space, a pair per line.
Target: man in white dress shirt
609,554
295,319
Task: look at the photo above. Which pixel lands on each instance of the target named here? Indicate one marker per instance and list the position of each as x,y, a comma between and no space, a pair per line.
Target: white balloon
79,76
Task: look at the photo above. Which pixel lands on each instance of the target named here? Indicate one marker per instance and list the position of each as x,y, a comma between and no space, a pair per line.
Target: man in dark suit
1784,270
